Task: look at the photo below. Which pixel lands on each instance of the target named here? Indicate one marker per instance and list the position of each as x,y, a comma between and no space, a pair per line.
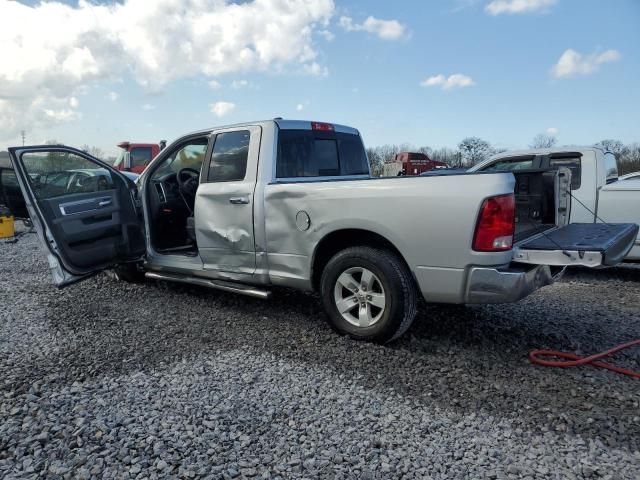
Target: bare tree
376,162
93,151
474,150
614,146
629,159
543,140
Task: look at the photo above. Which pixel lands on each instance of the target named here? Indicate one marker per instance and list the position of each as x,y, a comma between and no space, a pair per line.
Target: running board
216,284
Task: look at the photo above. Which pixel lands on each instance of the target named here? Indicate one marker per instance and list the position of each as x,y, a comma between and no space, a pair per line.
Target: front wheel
369,294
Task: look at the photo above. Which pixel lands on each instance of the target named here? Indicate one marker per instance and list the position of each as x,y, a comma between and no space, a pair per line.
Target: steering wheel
188,181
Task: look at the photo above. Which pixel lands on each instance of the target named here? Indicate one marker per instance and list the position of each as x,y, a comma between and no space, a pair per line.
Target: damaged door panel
225,202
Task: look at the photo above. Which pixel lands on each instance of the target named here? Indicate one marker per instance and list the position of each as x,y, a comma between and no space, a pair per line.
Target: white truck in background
598,194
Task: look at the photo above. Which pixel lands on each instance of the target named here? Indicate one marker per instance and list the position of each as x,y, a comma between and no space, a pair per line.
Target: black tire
129,272
398,287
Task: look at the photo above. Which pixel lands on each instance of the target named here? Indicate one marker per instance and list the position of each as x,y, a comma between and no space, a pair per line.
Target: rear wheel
369,294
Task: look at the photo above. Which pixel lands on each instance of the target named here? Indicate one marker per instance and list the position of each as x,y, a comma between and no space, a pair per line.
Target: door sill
215,284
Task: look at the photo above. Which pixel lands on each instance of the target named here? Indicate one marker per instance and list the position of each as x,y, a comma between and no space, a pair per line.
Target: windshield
190,155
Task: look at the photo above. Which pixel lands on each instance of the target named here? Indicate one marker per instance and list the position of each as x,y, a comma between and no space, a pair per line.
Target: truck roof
547,151
284,124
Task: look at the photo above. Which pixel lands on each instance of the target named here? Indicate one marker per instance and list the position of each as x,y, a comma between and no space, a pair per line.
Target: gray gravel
107,379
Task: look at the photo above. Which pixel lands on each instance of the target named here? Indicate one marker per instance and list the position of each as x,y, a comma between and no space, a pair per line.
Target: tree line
472,150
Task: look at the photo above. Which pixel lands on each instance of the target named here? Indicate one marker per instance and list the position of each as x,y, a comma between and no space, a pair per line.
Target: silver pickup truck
247,207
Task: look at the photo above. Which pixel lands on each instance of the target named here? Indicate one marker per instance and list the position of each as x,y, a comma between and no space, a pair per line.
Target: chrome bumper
506,285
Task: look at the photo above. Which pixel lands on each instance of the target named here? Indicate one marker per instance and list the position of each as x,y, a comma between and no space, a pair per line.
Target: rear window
610,167
574,164
305,153
509,164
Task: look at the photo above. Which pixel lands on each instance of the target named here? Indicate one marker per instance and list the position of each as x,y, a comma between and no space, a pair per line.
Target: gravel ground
113,380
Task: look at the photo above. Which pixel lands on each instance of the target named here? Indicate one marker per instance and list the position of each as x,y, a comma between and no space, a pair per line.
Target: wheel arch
341,239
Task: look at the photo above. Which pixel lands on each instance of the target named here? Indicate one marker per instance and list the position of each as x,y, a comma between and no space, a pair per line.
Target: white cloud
214,84
148,107
113,96
328,36
44,65
553,131
299,107
385,29
316,69
74,102
497,7
573,63
457,80
239,83
220,109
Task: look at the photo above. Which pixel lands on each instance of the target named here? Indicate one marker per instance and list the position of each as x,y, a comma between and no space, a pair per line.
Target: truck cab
134,157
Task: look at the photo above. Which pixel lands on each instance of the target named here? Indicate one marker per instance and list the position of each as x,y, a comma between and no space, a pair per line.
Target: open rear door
84,211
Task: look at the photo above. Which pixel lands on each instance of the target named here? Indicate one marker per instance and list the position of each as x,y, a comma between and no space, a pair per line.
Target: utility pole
24,134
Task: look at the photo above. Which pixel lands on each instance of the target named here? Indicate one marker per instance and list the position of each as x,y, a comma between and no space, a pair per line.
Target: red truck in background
134,157
411,163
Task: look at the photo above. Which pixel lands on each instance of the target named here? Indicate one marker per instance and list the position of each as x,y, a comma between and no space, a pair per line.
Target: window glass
229,157
140,156
573,164
353,159
120,159
187,155
304,153
509,164
54,174
610,167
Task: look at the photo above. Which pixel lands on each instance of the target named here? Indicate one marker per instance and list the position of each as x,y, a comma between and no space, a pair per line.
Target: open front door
83,210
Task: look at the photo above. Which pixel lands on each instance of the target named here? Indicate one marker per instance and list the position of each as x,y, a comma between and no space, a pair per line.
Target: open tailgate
586,244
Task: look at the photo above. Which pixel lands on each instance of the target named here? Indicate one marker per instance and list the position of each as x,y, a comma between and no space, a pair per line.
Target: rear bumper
506,285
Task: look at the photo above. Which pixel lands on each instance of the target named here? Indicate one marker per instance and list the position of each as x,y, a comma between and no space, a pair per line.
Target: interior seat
191,228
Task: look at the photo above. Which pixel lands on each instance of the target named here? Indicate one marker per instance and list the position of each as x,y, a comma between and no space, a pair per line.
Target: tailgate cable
573,360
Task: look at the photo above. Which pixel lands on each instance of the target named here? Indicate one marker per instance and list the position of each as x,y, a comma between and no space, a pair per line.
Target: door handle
104,203
239,200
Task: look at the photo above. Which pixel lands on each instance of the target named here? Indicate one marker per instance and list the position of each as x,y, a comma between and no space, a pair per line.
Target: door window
229,157
54,174
140,156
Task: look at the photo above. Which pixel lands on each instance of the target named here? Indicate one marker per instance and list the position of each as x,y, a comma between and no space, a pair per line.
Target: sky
408,71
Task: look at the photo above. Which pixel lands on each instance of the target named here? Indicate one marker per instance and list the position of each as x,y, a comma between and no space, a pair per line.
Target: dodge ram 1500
289,203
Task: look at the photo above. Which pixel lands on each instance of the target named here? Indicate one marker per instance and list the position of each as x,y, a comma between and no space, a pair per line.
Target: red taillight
322,127
494,230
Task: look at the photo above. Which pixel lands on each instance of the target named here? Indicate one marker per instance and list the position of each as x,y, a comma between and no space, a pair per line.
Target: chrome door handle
239,200
104,203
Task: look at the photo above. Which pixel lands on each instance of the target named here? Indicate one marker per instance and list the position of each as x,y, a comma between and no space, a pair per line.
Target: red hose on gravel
575,360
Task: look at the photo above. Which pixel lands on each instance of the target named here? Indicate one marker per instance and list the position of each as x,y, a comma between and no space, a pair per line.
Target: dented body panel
435,241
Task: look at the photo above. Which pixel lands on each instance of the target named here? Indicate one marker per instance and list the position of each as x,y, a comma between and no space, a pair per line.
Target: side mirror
126,163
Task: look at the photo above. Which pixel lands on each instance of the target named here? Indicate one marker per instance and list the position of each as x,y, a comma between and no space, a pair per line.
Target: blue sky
370,79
